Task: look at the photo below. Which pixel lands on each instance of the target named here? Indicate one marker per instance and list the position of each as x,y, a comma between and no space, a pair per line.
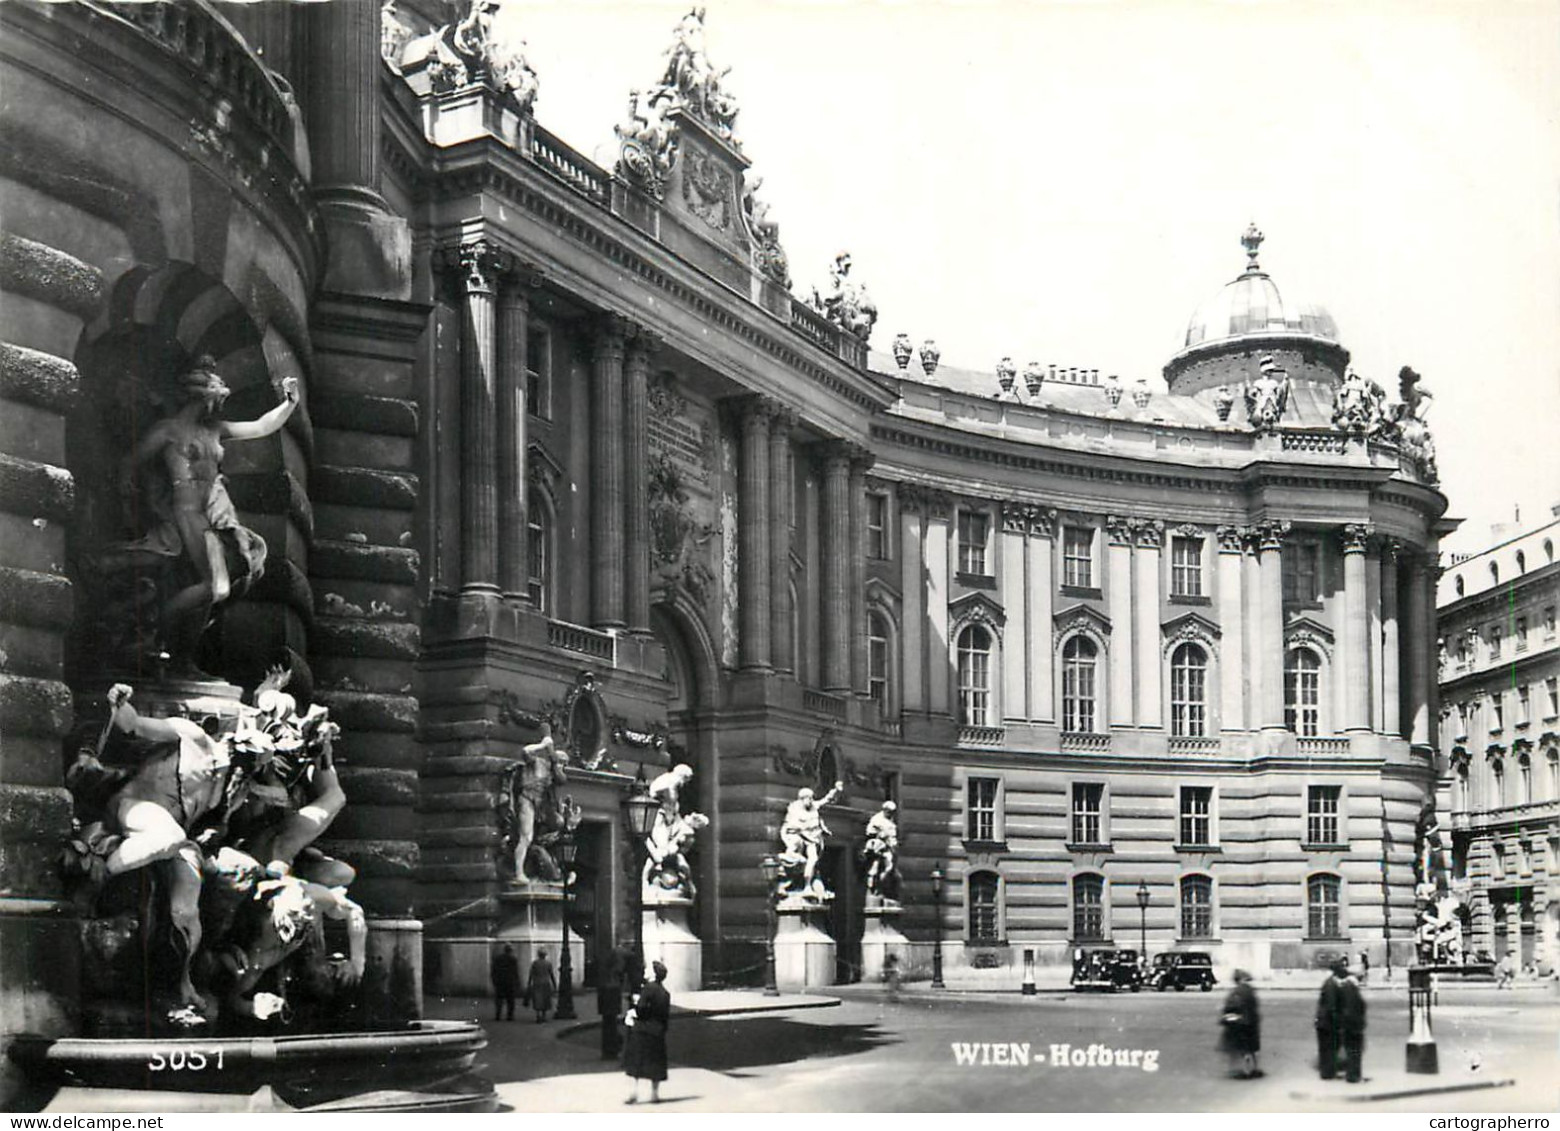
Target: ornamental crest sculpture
647,141
1267,396
469,51
677,538
768,256
694,83
708,190
1359,406
847,304
193,837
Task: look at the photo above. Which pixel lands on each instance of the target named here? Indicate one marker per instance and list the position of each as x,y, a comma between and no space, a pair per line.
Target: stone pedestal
880,938
393,976
669,940
531,919
804,951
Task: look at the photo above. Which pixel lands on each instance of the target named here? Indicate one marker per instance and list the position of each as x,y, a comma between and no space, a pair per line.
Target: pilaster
514,304
607,457
836,567
1267,539
1148,536
753,561
861,462
1356,649
636,461
1119,602
1232,622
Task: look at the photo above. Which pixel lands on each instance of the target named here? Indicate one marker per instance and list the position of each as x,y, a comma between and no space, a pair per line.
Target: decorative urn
902,351
1033,376
1223,400
1141,393
1112,389
1006,371
930,356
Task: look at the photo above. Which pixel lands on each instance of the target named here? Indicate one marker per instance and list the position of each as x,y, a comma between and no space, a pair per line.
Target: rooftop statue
647,142
847,305
467,51
768,255
881,853
1408,422
693,79
1267,396
393,35
801,835
200,807
202,556
1359,406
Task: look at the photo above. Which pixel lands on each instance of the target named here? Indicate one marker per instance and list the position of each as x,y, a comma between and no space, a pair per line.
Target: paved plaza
1498,1049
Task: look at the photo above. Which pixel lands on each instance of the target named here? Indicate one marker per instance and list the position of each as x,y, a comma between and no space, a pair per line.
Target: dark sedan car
1107,970
1180,969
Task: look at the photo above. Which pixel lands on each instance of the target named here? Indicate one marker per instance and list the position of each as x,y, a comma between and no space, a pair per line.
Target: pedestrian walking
1505,972
1340,1024
1241,1038
644,1056
891,975
1364,968
541,986
505,972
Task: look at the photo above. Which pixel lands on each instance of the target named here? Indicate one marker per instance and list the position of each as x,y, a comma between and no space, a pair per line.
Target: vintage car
1106,969
1181,968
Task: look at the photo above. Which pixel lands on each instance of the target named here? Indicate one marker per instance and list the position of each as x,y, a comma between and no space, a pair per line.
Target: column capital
1266,537
1120,529
832,451
1231,538
477,264
928,500
644,341
1356,537
750,410
608,335
1149,532
1028,518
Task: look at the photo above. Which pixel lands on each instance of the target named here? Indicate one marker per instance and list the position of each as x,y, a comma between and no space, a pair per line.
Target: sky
1066,182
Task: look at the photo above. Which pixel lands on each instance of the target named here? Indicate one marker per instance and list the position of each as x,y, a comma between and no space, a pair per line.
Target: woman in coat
541,985
644,1056
1242,1036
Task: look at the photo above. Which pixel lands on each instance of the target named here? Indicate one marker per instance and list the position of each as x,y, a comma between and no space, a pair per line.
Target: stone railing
1085,743
981,735
1202,744
823,703
586,641
810,324
1322,747
568,166
1531,814
1327,443
205,44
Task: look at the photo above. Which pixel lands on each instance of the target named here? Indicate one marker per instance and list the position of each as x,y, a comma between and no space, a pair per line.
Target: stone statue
848,305
692,78
1408,422
647,141
467,51
881,852
206,556
1267,396
534,805
393,36
1358,407
801,835
666,866
768,255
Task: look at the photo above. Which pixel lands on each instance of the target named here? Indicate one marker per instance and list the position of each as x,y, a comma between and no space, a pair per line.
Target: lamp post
771,870
937,888
568,848
639,810
1142,898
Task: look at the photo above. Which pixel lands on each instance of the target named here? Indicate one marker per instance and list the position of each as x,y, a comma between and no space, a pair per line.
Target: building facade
1500,741
569,445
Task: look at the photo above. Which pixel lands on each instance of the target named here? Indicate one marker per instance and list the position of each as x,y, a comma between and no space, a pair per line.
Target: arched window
1079,656
1524,779
1089,908
1495,572
1460,790
538,579
984,921
1189,692
1554,775
1549,550
975,676
878,683
1196,907
1457,583
1323,906
1521,562
1303,692
1498,784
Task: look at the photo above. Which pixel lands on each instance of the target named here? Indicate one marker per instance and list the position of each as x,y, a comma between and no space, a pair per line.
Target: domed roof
1251,306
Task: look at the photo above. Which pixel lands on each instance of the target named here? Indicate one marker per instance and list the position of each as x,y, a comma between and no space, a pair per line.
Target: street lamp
639,810
1142,898
771,870
937,887
568,848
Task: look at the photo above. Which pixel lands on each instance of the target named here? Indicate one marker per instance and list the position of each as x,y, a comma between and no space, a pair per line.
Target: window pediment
976,608
1307,631
542,468
1081,616
1190,627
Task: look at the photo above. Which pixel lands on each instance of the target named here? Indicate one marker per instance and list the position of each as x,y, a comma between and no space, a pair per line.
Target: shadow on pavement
729,1044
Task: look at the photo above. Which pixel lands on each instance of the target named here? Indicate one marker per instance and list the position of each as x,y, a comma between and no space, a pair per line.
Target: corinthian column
1232,622
836,567
1417,645
782,655
859,657
753,534
1391,618
1118,599
636,461
514,304
1269,540
1145,615
606,504
1356,623
479,264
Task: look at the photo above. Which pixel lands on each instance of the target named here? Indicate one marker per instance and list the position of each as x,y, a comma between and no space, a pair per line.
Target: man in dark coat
1242,1034
1340,1024
505,972
644,1057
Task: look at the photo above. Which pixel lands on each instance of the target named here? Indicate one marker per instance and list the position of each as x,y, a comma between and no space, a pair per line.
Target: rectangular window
538,377
1524,859
1197,815
980,811
1323,907
877,527
1549,623
1088,808
1497,712
1302,573
1089,909
877,667
984,920
1078,557
1524,707
1521,634
1186,567
1321,814
972,542
1552,693
536,563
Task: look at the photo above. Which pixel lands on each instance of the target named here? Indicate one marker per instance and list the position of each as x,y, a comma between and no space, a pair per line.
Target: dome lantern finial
1251,240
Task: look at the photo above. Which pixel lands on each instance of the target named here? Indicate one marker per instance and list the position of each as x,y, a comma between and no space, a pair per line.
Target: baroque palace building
1500,739
569,444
